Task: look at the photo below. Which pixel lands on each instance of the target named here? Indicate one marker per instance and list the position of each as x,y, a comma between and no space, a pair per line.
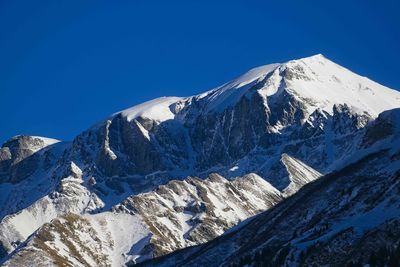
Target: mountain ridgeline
286,162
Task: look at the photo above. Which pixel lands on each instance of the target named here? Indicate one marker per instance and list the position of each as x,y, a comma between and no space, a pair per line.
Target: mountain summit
229,128
179,171
314,78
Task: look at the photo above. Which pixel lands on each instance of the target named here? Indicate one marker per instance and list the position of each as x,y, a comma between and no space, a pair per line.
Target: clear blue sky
65,65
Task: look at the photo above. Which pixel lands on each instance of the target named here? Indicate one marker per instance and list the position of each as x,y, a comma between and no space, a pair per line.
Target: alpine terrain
292,164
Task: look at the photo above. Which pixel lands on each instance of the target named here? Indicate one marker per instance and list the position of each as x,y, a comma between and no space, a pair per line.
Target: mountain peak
30,142
315,80
314,57
322,84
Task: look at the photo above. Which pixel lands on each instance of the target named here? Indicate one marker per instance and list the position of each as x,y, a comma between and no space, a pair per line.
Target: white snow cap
157,109
316,79
330,84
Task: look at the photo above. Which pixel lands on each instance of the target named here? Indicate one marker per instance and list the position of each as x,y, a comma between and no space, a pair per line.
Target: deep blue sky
65,65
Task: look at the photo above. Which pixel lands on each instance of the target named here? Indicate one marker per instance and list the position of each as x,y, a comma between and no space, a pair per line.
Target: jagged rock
194,211
18,157
176,215
350,216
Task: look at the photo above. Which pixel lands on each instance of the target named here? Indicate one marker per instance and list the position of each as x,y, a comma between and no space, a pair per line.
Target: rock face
78,240
287,123
194,211
18,157
350,216
299,174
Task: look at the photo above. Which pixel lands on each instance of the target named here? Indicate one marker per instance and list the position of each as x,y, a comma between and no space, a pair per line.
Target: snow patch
157,109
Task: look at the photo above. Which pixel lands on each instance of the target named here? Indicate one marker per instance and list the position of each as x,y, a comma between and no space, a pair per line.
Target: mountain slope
340,219
78,240
176,215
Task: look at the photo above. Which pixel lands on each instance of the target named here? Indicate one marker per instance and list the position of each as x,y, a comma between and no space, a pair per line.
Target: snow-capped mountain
250,142
350,217
241,127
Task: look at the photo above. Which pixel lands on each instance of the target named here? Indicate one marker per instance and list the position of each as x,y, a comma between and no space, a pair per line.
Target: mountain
180,171
350,217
